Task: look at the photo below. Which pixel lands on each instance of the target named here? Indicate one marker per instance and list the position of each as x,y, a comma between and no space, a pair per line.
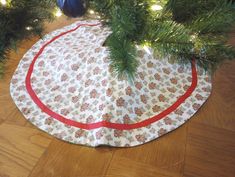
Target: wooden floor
203,147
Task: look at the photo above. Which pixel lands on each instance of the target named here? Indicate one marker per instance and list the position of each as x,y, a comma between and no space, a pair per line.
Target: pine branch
127,19
170,39
123,57
186,10
219,20
17,17
183,30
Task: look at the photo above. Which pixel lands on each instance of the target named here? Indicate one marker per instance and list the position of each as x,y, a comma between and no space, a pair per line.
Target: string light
146,47
28,28
3,2
58,13
156,7
193,37
91,12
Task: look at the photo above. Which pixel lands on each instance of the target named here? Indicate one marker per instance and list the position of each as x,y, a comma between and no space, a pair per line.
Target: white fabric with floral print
72,78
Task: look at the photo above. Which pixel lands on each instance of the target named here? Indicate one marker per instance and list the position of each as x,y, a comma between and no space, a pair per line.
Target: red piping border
91,126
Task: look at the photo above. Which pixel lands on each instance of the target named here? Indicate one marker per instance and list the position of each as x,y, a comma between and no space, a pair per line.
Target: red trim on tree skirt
67,121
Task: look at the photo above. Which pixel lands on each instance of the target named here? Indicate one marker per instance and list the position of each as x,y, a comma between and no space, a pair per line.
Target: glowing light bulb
147,49
193,37
156,7
28,28
91,11
58,13
3,2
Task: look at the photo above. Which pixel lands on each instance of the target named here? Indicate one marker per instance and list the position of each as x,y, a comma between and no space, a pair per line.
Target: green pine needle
183,30
16,17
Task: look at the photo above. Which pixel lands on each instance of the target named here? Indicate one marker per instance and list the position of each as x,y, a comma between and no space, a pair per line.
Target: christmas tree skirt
64,85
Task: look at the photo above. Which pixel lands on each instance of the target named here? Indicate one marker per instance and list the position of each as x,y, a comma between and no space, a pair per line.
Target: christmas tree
180,30
20,19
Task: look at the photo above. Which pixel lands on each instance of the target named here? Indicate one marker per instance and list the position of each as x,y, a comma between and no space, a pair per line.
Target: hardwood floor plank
166,152
15,117
125,167
210,152
66,160
6,102
219,110
20,149
1,121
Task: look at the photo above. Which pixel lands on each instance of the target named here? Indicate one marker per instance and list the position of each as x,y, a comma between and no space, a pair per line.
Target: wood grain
66,160
203,147
124,167
20,149
6,103
159,153
210,152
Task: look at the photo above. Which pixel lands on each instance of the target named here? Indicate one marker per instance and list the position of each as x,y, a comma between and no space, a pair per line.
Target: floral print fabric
72,77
